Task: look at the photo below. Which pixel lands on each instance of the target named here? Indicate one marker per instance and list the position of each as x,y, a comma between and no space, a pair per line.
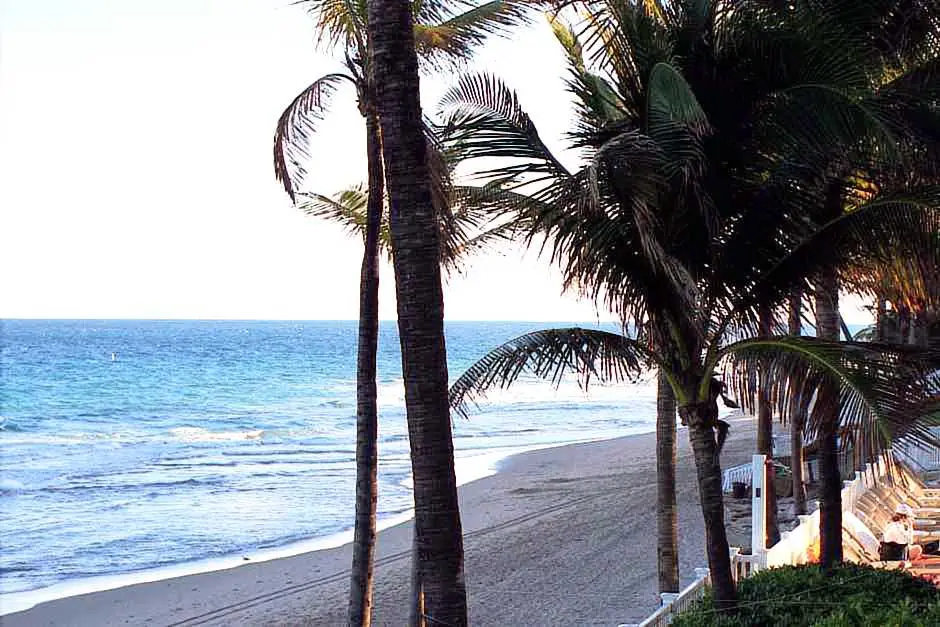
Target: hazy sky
136,178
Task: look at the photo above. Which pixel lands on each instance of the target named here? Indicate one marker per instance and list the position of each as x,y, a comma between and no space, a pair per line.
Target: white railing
677,603
744,565
735,474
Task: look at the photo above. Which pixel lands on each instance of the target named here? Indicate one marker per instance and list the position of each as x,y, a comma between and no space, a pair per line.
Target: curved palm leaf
549,354
443,30
297,125
883,388
444,37
485,119
598,104
892,231
346,208
472,227
339,22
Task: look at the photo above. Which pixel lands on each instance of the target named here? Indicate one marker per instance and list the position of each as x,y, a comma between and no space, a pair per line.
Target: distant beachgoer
899,533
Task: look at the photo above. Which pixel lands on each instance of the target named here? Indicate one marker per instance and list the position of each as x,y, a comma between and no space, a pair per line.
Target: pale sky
136,177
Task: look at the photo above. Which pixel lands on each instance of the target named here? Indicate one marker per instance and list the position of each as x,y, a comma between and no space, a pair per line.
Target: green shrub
804,595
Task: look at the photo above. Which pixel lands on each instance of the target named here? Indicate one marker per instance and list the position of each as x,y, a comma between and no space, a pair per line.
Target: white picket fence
673,604
735,474
793,547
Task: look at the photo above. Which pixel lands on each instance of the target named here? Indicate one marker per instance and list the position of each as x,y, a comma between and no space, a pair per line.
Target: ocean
135,450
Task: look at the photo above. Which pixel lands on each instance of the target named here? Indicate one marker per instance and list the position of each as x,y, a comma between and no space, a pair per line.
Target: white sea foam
10,485
198,434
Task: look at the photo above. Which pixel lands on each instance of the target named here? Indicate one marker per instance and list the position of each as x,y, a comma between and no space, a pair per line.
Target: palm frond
485,119
883,388
339,22
297,125
891,231
443,37
598,104
822,121
550,354
346,208
625,40
487,215
670,98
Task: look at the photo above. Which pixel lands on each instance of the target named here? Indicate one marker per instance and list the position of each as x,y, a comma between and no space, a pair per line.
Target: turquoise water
131,445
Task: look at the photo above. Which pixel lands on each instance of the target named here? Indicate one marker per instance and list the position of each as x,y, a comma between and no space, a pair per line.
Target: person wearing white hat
900,531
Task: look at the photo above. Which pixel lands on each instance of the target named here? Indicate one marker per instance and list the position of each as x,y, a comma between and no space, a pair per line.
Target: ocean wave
336,404
10,486
274,451
396,437
25,437
140,485
199,434
195,463
8,424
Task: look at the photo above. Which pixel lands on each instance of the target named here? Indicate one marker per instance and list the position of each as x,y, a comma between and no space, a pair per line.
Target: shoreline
546,488
497,459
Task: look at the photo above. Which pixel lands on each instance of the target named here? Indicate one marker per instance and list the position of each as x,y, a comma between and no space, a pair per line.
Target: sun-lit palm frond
296,127
883,387
891,231
624,41
445,36
485,119
346,208
550,354
339,22
597,103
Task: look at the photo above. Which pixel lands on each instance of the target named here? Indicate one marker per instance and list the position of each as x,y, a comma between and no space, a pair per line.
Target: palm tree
416,249
444,32
667,524
794,328
896,103
687,221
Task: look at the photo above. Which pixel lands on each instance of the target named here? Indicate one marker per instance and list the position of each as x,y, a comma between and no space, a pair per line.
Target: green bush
803,595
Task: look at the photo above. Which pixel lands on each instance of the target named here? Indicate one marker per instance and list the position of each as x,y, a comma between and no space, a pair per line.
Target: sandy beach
561,536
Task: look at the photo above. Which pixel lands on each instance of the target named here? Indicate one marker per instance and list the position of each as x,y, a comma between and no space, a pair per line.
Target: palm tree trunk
796,418
827,403
416,250
700,419
827,399
667,553
416,608
765,437
367,420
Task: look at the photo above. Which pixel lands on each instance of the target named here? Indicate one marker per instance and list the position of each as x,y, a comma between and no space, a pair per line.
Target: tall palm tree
667,524
686,220
416,255
444,33
897,93
794,328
